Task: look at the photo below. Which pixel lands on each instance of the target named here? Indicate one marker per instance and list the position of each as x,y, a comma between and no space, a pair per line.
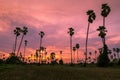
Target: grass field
50,72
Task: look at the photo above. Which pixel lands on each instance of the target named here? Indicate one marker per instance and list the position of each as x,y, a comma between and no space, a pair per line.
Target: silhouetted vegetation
103,59
13,60
71,33
91,18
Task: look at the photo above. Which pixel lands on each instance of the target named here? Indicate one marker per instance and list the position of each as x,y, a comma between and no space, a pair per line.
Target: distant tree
53,58
25,47
41,37
77,47
71,33
17,33
74,49
13,60
117,50
61,62
91,18
60,54
24,32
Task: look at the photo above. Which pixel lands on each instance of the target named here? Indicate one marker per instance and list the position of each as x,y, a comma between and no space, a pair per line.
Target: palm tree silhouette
74,49
41,37
25,47
17,33
61,54
91,18
102,33
77,47
24,32
71,33
105,12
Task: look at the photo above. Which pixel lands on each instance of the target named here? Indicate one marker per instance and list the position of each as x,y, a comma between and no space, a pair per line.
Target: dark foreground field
49,72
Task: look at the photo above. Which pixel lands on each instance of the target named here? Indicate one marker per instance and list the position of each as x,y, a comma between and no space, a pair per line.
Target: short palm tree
24,32
17,33
74,49
41,37
61,54
105,12
91,18
77,47
71,33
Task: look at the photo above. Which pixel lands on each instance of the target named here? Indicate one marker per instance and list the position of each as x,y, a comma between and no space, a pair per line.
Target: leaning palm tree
71,33
77,47
17,33
105,12
25,47
91,18
24,32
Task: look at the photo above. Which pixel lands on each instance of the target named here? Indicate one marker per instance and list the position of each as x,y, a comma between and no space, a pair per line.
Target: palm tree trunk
104,21
74,57
77,55
15,44
20,44
24,51
71,48
40,42
86,44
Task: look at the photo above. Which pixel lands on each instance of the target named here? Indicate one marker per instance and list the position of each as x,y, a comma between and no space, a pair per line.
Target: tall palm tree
24,32
41,37
71,33
17,33
91,18
74,49
105,12
77,47
102,33
25,47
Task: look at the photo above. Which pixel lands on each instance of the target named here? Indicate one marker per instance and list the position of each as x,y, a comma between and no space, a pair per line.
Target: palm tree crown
91,16
103,31
77,46
41,34
17,31
25,30
71,31
105,10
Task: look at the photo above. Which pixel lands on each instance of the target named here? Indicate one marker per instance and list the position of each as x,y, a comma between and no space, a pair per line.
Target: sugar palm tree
77,47
24,32
25,47
105,12
74,49
41,37
91,18
17,33
61,54
102,33
71,33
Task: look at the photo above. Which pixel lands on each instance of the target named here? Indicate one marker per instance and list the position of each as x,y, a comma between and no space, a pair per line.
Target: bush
103,59
13,60
61,61
1,61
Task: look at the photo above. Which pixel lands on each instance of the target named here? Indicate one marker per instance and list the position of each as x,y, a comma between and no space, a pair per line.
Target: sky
54,17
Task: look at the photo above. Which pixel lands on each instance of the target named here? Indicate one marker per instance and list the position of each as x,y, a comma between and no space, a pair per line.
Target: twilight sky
54,17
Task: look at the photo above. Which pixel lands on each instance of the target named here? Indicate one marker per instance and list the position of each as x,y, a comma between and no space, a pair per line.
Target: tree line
41,53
